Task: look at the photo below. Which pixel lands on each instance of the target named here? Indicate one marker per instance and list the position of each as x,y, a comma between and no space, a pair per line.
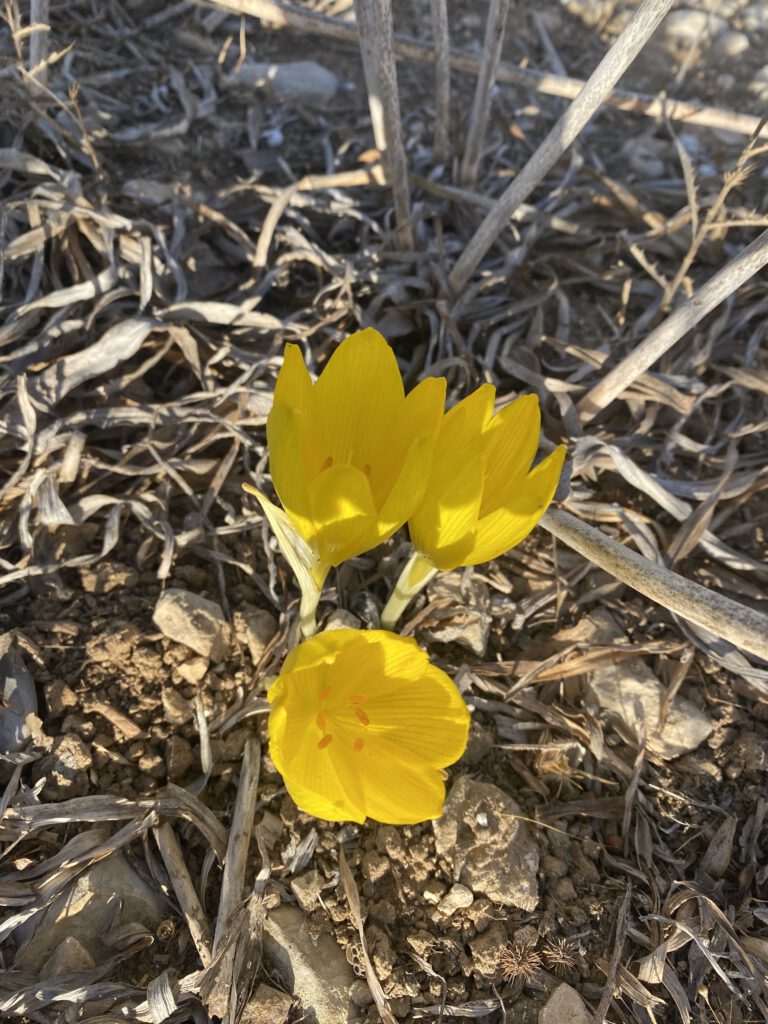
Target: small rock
194,621
179,757
193,670
65,769
108,576
646,155
18,699
759,84
177,709
69,957
307,888
267,1006
302,81
102,898
458,897
755,17
254,627
433,891
60,698
565,1006
360,993
340,618
688,27
731,44
482,830
271,829
486,950
315,970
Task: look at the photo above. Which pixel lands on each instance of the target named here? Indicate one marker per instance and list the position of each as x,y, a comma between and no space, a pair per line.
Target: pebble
179,757
458,897
193,670
302,81
314,968
481,831
69,957
759,84
193,621
340,618
565,1006
254,627
267,1005
307,888
689,26
731,44
755,17
65,769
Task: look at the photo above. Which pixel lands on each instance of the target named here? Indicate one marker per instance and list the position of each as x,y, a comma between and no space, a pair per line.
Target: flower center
329,716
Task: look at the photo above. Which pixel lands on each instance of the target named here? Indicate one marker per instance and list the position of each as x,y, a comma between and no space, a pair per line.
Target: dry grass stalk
38,41
744,627
610,69
375,17
442,78
722,284
481,105
285,15
185,891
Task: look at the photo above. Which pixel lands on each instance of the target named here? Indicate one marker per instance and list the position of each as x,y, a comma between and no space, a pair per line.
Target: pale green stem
416,574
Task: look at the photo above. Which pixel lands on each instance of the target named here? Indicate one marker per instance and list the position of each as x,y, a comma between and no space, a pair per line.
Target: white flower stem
416,574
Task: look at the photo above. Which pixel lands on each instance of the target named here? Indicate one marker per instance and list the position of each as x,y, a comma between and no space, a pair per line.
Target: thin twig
744,627
606,75
481,105
189,904
722,284
442,78
376,17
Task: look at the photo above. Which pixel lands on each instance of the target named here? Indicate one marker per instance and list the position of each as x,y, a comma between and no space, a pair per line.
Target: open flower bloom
349,455
483,497
361,724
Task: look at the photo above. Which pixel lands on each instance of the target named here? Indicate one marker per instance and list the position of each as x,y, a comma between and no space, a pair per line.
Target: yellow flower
483,497
349,456
361,724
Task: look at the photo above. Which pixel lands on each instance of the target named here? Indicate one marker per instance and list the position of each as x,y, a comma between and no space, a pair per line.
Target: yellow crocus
482,497
361,725
349,456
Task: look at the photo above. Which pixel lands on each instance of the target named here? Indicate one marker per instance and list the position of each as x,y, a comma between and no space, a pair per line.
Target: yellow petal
510,441
507,526
343,513
358,395
464,423
288,468
294,386
443,526
401,794
409,488
419,418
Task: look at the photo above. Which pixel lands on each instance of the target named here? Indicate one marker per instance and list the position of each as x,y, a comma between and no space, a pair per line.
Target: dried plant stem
481,105
376,46
722,284
416,574
610,69
38,40
442,78
744,627
285,15
184,888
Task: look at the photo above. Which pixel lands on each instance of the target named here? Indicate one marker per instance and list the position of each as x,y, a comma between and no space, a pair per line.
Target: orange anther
326,693
324,742
358,745
361,715
327,464
320,721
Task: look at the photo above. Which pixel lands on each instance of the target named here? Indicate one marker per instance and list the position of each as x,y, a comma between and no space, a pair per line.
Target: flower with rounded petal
482,497
361,725
349,456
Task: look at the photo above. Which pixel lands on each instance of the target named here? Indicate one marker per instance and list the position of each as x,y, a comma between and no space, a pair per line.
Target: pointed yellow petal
418,419
464,423
343,513
503,529
408,489
401,794
358,395
294,385
510,441
288,468
443,526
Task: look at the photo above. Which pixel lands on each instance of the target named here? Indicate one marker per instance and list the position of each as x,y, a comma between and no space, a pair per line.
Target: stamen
361,715
320,721
326,693
324,742
358,698
367,470
327,464
358,745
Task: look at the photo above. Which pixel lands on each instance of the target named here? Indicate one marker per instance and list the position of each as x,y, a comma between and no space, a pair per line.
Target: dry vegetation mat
179,199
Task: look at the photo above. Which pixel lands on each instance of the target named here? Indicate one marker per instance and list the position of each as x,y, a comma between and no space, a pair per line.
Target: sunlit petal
343,513
510,441
464,423
443,526
507,526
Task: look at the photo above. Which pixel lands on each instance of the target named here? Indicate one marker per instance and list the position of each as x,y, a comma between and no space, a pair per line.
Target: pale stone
193,621
458,897
689,26
301,81
565,1006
